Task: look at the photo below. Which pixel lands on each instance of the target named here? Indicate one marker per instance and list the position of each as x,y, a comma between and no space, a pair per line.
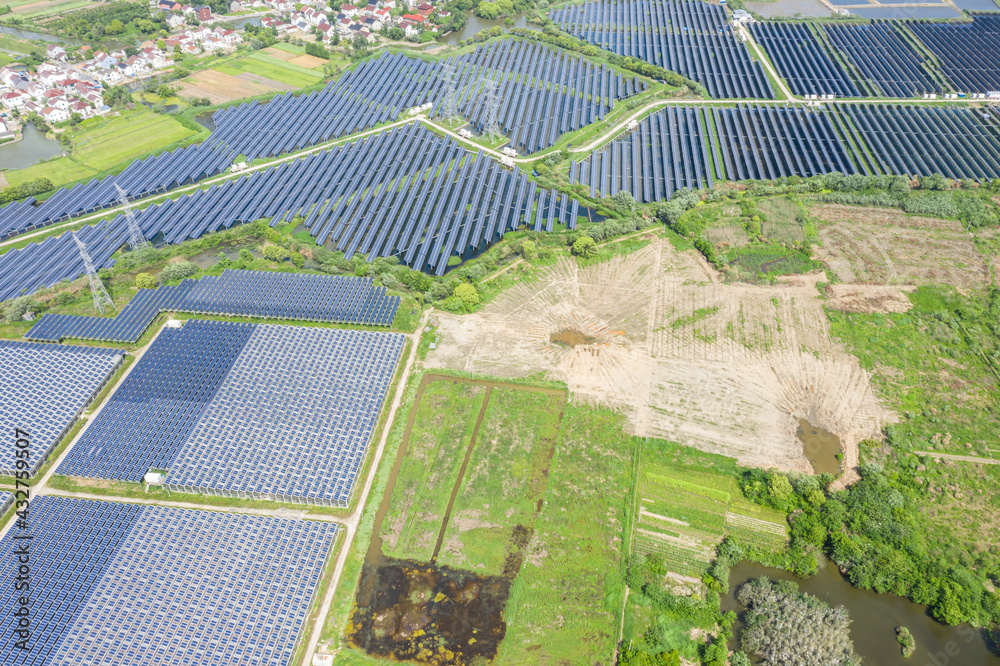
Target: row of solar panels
687,36
666,152
799,57
336,299
543,93
130,585
63,381
278,411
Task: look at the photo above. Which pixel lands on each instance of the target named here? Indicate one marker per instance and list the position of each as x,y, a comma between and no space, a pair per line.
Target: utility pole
450,107
491,125
135,238
101,297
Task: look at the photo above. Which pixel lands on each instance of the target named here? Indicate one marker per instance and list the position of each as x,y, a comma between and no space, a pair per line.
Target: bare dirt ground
868,297
219,87
884,246
727,368
308,61
278,53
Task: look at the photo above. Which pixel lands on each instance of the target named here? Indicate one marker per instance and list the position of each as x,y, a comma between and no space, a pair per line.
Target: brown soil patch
219,87
308,61
278,53
886,246
271,84
734,381
868,298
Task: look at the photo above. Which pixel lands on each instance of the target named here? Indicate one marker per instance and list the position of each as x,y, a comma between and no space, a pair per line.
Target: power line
100,294
135,238
491,126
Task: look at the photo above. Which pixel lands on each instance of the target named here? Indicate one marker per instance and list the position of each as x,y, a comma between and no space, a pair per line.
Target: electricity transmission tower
101,297
491,126
135,238
450,107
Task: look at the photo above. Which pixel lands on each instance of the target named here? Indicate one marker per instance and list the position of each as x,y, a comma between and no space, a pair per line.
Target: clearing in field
888,247
219,87
307,61
456,520
104,143
726,368
267,67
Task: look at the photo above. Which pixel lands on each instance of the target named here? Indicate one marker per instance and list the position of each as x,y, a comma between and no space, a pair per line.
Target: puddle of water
820,446
874,618
31,149
570,338
208,258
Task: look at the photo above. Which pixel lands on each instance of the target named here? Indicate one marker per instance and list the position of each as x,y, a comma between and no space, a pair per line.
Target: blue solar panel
293,419
121,584
43,389
799,57
244,410
325,298
152,413
686,36
6,501
969,53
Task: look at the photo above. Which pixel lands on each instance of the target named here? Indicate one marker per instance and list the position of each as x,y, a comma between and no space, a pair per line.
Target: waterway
31,149
20,33
474,24
874,618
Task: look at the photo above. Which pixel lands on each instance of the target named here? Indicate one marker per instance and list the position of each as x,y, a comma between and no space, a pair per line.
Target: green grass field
105,143
503,480
60,170
21,8
442,428
566,602
271,68
290,48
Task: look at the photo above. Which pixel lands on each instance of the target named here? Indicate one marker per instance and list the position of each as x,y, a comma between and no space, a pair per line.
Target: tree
246,256
467,293
779,488
16,309
934,181
275,253
529,249
161,44
360,47
585,247
115,28
181,269
165,90
316,50
395,33
145,281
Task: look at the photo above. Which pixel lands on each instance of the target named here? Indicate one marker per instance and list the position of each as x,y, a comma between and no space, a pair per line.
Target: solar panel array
801,59
152,175
276,412
150,416
324,298
767,142
666,152
73,542
968,52
121,584
544,92
909,140
882,57
375,92
43,389
689,37
6,501
293,419
403,192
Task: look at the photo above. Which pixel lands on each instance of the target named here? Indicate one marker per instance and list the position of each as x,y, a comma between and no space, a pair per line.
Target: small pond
474,24
874,618
31,149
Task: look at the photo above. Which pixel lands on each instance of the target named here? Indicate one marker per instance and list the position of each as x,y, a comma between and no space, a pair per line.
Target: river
874,618
31,149
20,33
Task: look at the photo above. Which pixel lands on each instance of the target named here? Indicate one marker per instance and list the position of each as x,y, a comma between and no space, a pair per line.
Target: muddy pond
820,446
874,618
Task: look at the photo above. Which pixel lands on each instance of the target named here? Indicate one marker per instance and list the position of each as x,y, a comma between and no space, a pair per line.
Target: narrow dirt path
968,459
350,522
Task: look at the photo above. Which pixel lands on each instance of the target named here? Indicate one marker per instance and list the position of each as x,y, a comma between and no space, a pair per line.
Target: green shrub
246,256
585,247
181,269
276,253
468,294
145,281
